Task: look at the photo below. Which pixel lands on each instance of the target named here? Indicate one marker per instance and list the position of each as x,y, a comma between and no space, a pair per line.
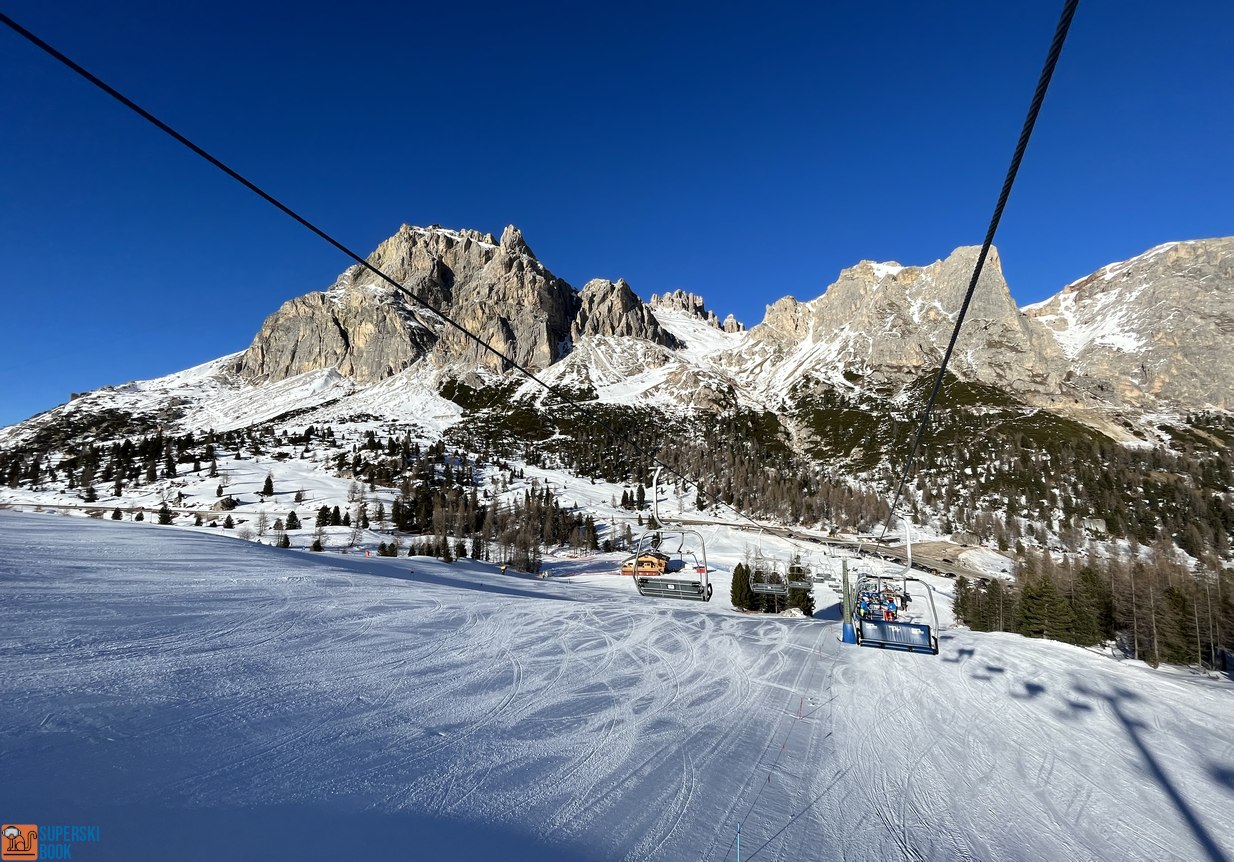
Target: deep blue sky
744,152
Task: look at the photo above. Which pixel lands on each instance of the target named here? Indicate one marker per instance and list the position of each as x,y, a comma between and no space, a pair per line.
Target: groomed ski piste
201,697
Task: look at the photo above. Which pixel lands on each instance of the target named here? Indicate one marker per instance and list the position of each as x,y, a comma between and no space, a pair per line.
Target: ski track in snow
168,672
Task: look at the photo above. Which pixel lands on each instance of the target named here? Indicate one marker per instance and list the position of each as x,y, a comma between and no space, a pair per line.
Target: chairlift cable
509,362
1034,108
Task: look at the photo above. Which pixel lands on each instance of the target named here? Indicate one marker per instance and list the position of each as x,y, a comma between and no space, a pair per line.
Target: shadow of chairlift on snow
1133,728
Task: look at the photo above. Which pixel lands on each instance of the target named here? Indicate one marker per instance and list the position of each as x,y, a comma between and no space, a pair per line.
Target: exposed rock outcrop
690,303
612,308
368,329
1153,331
891,323
512,303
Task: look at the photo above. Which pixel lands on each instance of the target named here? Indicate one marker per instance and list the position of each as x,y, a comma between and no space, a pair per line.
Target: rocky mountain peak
512,242
892,322
369,330
608,308
694,305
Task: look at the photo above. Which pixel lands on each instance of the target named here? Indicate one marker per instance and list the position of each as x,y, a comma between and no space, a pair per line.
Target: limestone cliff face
888,322
608,308
694,305
1154,331
513,303
369,329
364,340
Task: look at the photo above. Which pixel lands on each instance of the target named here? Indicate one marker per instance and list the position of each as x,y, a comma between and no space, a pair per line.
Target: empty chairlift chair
800,577
677,574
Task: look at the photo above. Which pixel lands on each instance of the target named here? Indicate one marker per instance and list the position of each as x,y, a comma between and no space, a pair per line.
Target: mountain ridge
877,326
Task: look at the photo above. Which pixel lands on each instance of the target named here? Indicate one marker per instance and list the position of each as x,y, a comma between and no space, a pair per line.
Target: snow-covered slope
194,697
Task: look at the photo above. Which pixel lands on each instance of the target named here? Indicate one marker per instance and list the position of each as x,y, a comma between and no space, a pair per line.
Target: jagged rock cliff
891,323
1153,331
608,308
692,304
498,290
1150,332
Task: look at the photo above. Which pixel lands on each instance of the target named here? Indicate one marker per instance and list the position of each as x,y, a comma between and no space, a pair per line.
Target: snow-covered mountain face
1156,331
883,323
1151,333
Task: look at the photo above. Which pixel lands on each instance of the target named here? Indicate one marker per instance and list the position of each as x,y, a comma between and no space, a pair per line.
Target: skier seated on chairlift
864,607
889,610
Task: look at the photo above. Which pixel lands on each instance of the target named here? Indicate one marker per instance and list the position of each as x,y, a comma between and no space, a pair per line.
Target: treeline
442,505
1016,477
737,458
1063,482
442,508
94,469
1151,605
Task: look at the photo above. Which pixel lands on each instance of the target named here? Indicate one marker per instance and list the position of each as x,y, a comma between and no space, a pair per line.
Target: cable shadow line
1198,830
812,803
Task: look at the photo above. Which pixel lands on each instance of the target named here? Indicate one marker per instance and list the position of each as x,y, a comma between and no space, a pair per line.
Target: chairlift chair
799,577
895,634
763,575
673,578
680,578
777,587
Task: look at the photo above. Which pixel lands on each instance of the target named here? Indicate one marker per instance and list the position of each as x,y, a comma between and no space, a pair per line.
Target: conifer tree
140,516
741,594
1043,610
803,600
293,522
164,515
962,603
1092,605
116,515
228,523
267,489
323,516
